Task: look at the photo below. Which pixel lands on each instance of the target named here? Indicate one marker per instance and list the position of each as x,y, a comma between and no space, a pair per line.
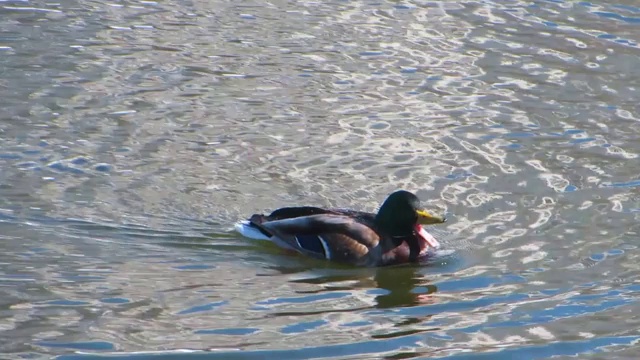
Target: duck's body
393,235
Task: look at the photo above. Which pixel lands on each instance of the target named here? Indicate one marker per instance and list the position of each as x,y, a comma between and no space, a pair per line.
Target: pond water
136,133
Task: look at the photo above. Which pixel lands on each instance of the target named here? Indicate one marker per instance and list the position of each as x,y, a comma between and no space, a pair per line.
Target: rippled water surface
135,133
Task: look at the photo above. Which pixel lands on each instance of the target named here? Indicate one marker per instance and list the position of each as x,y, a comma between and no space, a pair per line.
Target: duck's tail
250,229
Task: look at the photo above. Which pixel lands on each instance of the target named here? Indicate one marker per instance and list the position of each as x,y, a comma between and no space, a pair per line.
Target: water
135,133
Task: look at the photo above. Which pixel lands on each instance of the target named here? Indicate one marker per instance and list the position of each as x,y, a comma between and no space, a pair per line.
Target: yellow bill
425,218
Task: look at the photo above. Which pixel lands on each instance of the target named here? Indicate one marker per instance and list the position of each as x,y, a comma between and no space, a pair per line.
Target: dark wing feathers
314,244
299,211
328,235
296,211
346,248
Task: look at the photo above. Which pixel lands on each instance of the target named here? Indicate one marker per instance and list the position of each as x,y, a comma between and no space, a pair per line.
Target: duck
393,235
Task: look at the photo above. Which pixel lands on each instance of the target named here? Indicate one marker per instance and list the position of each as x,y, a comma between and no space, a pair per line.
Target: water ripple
135,132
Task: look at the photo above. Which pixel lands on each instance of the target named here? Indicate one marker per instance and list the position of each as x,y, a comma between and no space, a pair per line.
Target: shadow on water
396,287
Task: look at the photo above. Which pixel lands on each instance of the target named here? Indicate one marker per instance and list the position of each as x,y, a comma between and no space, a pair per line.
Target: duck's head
401,216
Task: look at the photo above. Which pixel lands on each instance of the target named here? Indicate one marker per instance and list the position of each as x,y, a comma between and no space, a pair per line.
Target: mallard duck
393,235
